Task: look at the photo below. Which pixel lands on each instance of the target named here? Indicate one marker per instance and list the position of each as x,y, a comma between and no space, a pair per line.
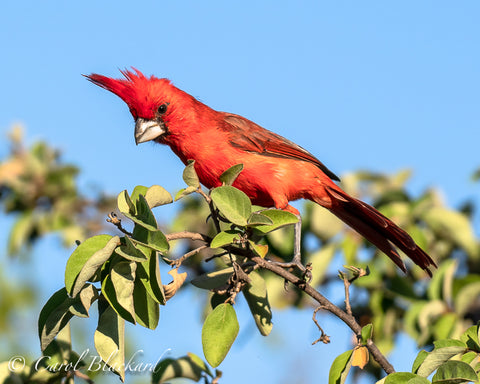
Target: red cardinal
276,170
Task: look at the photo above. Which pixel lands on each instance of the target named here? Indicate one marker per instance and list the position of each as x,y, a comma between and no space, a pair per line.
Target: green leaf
464,298
440,287
190,175
137,191
80,256
260,249
184,192
213,280
320,260
471,338
449,343
453,225
437,357
229,176
323,224
157,196
218,333
157,241
93,264
259,219
156,287
108,291
255,293
454,372
233,204
20,232
122,276
147,312
279,218
144,215
129,251
445,325
54,316
419,360
109,339
367,332
405,378
184,366
340,368
225,238
87,296
125,204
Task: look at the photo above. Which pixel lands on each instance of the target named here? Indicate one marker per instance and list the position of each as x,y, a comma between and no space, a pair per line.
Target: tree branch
326,304
347,318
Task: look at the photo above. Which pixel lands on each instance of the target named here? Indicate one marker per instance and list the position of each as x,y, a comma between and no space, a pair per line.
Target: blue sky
376,85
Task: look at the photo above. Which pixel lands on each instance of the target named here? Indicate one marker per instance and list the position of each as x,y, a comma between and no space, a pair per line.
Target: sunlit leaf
260,249
213,280
20,232
157,196
471,338
280,218
259,219
229,176
125,204
367,333
169,368
129,251
122,275
137,191
110,294
109,339
454,372
437,357
94,263
340,368
453,225
218,333
255,293
54,315
233,204
190,175
86,296
405,378
147,311
184,192
225,238
81,255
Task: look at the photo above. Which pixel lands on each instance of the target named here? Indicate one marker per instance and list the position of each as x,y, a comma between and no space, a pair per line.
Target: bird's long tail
378,229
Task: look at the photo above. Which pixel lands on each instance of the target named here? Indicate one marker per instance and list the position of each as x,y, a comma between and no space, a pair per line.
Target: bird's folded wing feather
250,137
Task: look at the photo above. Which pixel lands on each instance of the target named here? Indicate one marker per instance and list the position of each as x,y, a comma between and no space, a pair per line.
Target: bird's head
151,101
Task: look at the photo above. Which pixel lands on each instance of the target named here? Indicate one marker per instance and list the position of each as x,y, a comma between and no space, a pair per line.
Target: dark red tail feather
378,229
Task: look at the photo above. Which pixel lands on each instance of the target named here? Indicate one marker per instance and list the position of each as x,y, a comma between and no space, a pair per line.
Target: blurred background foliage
40,192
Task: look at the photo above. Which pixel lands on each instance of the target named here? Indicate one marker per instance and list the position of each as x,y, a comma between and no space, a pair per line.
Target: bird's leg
297,245
297,255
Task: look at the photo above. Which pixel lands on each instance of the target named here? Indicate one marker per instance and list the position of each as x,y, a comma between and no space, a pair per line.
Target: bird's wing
250,137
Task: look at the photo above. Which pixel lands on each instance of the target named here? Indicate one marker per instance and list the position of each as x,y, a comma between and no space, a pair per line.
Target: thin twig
324,338
347,284
178,262
113,218
189,236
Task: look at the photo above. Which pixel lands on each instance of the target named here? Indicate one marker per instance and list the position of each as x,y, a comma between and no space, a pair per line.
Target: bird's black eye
162,109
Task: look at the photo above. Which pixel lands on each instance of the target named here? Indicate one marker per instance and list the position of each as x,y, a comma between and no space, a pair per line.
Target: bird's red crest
142,94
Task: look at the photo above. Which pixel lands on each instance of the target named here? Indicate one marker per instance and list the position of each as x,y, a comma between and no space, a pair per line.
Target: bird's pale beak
146,130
